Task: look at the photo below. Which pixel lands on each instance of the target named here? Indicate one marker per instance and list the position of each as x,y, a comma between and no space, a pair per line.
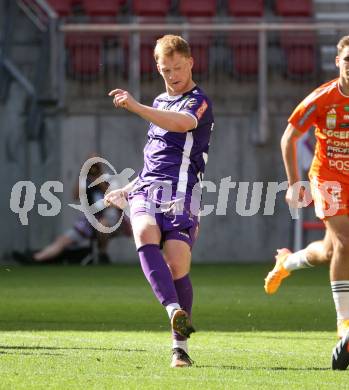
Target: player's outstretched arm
289,154
168,120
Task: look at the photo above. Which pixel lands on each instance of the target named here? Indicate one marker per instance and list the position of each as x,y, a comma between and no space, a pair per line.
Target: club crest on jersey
331,119
191,102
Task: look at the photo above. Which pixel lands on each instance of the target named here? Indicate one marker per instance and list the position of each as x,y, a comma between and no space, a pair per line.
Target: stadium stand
151,11
245,53
244,45
197,8
151,8
247,8
336,11
86,50
62,7
105,8
84,55
199,12
298,47
294,8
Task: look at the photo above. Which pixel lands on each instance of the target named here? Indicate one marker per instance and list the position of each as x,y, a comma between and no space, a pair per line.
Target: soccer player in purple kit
163,199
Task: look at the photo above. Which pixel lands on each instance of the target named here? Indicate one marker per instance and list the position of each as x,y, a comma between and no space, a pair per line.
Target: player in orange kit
326,108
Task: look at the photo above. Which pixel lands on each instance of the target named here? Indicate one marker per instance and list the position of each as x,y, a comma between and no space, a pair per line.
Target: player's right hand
116,198
297,196
124,99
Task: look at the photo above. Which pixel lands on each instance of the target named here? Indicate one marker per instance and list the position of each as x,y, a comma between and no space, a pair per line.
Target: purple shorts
173,224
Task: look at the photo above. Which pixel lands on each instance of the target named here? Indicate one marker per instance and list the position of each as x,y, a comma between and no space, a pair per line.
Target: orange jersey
326,108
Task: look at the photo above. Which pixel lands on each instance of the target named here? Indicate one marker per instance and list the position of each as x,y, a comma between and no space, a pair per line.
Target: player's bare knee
178,270
145,230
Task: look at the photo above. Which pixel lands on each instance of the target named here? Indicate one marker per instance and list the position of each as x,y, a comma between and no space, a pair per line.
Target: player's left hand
116,198
123,99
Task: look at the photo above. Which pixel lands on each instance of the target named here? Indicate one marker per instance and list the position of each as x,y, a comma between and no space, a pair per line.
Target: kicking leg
316,253
147,237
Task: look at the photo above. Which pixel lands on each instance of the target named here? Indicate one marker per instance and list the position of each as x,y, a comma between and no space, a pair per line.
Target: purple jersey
178,158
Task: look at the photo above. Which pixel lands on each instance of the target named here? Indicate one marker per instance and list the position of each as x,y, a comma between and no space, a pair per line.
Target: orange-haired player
326,108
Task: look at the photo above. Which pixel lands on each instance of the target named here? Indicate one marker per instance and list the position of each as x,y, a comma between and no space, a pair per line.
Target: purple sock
158,274
184,290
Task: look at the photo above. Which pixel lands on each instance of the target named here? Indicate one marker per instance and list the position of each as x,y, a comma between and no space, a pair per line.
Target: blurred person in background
78,238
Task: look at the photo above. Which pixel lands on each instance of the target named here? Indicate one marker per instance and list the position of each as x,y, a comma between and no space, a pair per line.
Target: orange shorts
330,197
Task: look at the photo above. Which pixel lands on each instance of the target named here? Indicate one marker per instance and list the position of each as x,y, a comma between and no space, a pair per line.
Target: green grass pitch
101,328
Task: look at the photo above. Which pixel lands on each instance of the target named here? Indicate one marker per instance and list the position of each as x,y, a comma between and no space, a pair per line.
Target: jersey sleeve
304,115
195,107
155,103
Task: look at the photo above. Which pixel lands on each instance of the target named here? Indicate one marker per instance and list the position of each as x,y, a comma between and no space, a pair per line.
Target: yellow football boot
278,273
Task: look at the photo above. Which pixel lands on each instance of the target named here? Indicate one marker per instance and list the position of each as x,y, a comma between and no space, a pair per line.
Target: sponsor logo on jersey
331,119
342,166
335,142
201,110
346,108
337,149
342,134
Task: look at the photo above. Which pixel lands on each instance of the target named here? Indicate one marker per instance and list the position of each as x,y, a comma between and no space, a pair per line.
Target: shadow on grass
237,368
22,347
30,353
162,325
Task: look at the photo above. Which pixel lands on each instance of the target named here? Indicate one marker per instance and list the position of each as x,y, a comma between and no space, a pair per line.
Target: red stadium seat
245,53
148,64
253,8
62,7
297,38
147,44
294,8
245,44
200,45
101,7
197,8
300,61
299,49
85,51
298,46
153,8
199,11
